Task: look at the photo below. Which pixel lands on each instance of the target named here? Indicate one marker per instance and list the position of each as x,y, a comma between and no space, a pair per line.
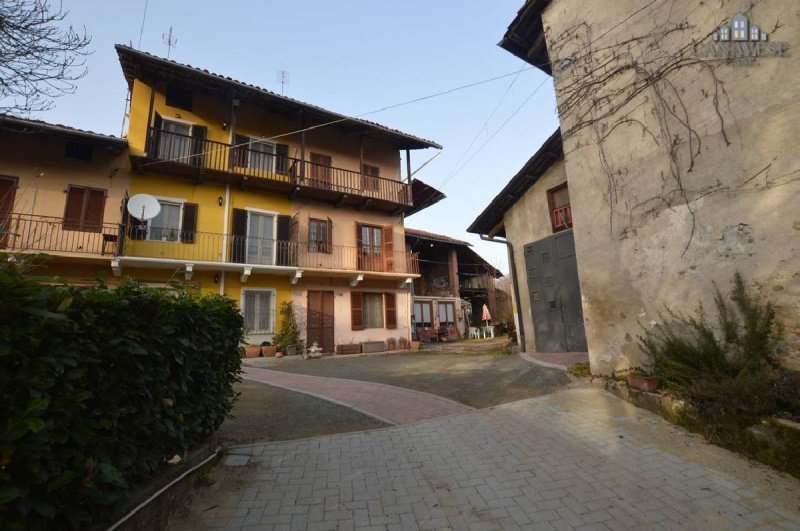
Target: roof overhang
423,195
490,221
525,36
144,66
22,125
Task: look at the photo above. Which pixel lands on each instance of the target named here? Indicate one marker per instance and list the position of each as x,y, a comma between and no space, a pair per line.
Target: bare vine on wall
606,85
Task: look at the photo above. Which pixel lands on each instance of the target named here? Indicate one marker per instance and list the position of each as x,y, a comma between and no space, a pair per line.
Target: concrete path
555,360
390,404
576,459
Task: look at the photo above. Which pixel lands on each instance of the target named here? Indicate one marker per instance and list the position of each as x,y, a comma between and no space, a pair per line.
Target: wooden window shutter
282,245
388,247
329,242
73,213
158,123
189,224
240,151
390,306
282,159
356,310
93,214
239,236
199,134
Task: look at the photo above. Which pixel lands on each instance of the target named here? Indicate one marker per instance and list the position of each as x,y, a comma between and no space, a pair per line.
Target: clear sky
352,57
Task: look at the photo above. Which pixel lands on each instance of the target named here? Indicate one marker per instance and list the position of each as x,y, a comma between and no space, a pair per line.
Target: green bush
98,387
728,372
288,333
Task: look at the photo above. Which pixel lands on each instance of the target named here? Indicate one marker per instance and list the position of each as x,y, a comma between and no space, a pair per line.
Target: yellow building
61,191
268,199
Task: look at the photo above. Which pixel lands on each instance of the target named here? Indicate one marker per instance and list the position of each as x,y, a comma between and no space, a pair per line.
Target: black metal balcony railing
254,160
238,249
24,233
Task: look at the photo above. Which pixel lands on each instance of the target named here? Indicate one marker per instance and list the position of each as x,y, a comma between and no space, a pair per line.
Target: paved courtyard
574,459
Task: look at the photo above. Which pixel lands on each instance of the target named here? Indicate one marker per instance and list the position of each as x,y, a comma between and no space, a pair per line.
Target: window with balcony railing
560,208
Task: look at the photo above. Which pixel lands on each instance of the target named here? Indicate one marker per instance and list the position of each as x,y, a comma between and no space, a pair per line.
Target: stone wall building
681,153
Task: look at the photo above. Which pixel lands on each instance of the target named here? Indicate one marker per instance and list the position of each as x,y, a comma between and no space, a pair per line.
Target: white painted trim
273,309
177,121
261,211
203,265
181,203
274,229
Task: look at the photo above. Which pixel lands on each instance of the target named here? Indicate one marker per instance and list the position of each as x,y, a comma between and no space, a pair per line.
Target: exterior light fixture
219,200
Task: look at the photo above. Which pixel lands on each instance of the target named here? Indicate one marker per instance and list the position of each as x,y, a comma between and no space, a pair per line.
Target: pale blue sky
350,56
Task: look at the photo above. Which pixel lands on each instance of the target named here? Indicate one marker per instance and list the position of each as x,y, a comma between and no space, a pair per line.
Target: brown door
370,248
8,190
321,171
319,323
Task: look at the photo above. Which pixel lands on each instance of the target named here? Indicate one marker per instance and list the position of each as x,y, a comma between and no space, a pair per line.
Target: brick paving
576,459
390,404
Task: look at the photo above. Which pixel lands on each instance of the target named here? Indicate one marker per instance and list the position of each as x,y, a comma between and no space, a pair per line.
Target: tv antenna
283,79
170,40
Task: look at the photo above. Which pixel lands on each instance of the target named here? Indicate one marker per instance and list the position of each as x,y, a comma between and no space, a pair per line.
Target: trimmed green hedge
98,387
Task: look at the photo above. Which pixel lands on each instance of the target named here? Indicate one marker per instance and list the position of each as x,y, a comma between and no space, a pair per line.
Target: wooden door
319,322
321,171
8,191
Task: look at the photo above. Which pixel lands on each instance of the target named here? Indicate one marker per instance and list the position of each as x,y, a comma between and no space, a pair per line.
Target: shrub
288,333
728,372
580,370
98,387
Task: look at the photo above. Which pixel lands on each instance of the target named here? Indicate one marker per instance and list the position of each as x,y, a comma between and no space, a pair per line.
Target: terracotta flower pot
415,345
644,383
252,351
269,351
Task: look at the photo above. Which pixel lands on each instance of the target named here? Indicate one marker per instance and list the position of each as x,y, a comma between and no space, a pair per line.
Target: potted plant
287,338
415,345
403,343
391,344
637,378
252,351
268,350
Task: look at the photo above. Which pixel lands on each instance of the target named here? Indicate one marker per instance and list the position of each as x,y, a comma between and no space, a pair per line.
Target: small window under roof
77,150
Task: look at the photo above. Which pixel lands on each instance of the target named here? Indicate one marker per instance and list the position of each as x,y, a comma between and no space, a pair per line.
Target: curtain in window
259,238
166,225
373,310
258,311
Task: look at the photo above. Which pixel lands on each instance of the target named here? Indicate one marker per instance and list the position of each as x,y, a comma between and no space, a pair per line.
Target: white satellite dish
143,207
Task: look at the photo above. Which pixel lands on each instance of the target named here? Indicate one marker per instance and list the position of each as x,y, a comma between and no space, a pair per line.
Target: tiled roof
39,125
436,237
128,55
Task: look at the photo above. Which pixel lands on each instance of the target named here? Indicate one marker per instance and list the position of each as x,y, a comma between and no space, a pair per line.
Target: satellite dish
143,207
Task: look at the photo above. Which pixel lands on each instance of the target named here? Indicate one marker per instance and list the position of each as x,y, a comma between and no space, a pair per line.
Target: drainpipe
515,286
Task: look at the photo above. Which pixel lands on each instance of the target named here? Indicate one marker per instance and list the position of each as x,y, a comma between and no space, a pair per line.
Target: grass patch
580,370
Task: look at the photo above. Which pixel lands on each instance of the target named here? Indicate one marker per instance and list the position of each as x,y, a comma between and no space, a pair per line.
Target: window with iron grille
258,307
560,208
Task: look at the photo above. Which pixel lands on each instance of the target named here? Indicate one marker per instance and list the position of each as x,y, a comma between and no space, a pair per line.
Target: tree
40,58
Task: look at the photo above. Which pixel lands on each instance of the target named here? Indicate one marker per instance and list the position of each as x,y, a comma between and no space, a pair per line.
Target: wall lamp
219,200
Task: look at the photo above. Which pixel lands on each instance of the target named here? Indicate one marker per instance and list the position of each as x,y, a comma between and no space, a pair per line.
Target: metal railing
172,244
24,233
254,161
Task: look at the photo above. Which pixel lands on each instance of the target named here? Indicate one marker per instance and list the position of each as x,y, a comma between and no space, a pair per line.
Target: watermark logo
741,42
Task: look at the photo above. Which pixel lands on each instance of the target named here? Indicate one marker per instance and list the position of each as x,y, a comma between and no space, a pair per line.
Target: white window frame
273,306
259,140
174,200
262,212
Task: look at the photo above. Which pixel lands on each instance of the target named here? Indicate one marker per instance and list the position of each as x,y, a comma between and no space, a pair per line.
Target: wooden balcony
246,167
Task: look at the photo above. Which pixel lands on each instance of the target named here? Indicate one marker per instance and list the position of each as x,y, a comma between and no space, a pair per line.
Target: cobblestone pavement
388,403
575,459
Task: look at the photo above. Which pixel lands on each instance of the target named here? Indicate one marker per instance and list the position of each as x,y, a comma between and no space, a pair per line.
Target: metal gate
555,294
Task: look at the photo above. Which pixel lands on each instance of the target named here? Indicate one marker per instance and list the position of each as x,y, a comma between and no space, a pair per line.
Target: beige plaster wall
343,333
526,222
654,228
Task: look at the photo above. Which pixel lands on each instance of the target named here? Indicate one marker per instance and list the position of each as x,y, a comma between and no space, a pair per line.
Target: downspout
515,286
